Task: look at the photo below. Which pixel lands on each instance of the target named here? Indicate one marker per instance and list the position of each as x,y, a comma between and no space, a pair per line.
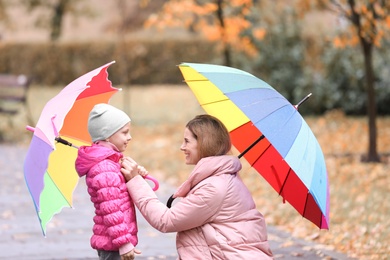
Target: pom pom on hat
105,120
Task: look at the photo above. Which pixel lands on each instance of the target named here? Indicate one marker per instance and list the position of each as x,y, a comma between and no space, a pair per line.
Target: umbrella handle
30,128
154,180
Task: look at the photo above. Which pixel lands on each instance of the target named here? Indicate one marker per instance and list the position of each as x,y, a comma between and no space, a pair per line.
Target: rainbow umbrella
49,166
269,132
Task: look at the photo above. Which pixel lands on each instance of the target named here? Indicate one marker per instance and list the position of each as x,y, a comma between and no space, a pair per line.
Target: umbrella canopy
282,147
49,168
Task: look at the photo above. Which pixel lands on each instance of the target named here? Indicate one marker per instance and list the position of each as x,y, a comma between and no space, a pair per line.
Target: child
115,226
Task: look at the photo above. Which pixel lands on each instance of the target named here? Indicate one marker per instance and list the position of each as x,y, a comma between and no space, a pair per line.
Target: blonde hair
212,136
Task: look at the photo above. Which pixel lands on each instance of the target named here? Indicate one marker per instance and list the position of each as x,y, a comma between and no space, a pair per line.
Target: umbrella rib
284,182
251,146
55,184
195,80
216,101
304,210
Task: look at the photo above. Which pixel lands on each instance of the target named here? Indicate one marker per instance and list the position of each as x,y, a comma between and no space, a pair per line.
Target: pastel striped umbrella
49,166
269,133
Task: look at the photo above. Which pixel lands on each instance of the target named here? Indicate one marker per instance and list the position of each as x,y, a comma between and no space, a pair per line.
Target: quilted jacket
215,217
115,225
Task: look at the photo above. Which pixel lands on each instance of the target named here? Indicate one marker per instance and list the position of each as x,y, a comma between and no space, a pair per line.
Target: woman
216,217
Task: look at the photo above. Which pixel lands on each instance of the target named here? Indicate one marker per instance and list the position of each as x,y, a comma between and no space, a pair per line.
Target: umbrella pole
251,146
65,142
58,139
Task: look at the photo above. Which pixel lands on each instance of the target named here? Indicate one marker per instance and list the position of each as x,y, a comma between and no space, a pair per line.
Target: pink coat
115,227
216,217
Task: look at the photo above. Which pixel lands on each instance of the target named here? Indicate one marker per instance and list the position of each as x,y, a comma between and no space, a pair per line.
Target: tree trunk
226,47
372,154
58,16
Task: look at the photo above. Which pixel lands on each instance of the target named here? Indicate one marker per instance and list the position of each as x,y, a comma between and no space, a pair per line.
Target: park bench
13,95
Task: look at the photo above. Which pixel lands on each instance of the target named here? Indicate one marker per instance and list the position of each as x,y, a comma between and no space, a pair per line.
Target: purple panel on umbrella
281,128
272,114
35,166
257,103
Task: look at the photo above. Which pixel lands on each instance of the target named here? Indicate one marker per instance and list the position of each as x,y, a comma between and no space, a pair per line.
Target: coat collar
206,167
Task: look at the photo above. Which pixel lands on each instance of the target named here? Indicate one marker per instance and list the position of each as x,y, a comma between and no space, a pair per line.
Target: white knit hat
105,120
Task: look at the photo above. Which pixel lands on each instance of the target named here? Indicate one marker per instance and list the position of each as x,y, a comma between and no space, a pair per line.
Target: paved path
68,233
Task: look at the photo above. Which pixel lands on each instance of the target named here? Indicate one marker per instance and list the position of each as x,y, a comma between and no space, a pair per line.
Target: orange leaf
259,33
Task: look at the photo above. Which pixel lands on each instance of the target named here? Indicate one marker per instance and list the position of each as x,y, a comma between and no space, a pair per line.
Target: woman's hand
130,168
142,171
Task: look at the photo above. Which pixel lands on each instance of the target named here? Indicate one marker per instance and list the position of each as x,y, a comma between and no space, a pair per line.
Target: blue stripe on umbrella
272,114
228,83
299,156
320,176
215,69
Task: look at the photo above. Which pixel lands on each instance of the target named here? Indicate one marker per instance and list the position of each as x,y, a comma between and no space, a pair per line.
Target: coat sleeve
196,209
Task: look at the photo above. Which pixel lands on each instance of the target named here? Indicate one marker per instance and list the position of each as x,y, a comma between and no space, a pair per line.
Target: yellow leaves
387,21
202,18
205,9
359,192
212,33
363,10
369,20
338,42
259,33
234,26
343,41
241,2
379,10
360,200
372,19
248,47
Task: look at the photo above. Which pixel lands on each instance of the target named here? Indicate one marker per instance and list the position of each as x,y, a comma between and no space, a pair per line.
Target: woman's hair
212,136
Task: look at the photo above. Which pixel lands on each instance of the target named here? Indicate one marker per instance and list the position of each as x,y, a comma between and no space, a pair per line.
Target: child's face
121,138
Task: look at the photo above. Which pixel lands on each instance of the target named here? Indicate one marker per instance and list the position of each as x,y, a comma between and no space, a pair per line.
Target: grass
359,192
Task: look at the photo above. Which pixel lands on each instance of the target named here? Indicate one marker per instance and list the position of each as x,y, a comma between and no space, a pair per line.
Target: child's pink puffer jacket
115,225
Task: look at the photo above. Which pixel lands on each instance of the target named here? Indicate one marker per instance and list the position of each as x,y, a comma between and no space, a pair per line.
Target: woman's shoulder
215,186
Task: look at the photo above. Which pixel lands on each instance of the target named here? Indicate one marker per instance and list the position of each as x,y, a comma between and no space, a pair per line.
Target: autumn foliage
218,21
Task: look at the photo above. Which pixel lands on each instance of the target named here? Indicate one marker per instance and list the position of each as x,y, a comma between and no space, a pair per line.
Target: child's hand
130,255
142,171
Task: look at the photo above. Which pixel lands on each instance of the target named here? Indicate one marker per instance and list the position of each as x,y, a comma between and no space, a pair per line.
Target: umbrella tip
303,100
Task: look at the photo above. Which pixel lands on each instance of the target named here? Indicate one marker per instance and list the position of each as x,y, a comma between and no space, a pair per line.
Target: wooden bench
13,94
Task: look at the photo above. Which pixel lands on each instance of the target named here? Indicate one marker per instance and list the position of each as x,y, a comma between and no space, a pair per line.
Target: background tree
369,23
219,21
53,12
3,16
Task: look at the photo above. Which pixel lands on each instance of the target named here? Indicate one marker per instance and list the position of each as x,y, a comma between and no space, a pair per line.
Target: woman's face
190,147
121,138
